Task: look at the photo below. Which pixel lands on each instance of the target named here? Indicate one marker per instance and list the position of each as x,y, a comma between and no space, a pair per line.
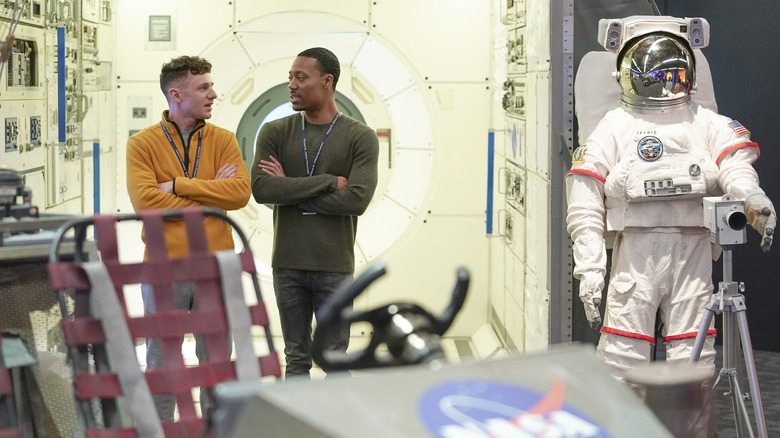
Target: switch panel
35,131
11,134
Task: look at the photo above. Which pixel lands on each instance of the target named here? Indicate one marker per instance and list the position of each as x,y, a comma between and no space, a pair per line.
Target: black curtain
744,39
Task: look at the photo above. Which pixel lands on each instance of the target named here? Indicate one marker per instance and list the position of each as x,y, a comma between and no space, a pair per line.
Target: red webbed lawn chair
113,393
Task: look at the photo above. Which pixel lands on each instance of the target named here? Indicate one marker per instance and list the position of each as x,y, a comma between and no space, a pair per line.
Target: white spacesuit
642,174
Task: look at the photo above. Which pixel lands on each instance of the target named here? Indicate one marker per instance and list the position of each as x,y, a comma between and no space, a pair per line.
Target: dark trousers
299,294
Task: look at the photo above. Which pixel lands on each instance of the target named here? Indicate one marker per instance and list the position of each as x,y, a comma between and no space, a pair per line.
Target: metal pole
96,176
755,393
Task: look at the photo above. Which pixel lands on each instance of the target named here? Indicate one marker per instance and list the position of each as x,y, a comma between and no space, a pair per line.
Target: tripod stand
729,301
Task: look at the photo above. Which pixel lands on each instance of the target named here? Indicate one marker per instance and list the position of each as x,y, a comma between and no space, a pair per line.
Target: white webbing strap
121,351
239,320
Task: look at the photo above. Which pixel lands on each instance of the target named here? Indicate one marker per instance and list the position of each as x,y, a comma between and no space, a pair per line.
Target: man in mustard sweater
183,161
318,168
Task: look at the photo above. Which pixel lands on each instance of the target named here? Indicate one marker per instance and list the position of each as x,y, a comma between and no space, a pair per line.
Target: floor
767,366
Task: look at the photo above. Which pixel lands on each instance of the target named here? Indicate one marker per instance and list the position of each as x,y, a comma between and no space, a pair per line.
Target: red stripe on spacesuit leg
626,334
586,173
711,332
747,144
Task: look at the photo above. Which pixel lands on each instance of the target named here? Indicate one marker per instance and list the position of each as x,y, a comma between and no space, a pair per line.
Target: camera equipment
725,217
726,220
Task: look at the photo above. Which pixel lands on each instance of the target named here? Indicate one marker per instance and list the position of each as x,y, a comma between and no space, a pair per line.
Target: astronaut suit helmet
656,70
656,66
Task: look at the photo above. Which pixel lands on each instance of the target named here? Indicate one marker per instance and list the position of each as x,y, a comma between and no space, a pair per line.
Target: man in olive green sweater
318,168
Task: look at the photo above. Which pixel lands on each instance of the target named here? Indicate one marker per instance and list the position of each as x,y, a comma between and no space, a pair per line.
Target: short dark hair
327,62
178,68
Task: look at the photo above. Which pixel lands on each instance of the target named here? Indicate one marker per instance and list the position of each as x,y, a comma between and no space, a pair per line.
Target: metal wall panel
443,39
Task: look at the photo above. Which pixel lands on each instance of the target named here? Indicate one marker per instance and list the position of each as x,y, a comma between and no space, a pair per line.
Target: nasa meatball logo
490,409
650,148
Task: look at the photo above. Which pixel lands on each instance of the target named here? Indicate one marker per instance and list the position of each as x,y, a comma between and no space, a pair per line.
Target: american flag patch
738,128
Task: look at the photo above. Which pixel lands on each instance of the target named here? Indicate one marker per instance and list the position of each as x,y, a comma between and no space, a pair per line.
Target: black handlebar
410,333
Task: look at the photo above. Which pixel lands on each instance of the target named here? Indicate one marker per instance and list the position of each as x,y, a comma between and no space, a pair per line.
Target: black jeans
299,294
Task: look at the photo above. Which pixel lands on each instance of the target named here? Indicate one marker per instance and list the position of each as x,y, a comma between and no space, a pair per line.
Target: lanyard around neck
186,151
309,172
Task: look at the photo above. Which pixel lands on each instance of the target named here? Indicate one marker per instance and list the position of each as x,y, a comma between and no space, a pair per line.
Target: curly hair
179,68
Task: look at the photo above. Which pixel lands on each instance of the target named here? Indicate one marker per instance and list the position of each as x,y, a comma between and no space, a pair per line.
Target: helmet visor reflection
657,66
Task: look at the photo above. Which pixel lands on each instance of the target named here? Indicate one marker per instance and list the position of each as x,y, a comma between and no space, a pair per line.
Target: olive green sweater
323,241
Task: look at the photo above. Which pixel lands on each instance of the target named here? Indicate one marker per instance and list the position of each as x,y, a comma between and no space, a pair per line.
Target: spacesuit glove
591,284
762,217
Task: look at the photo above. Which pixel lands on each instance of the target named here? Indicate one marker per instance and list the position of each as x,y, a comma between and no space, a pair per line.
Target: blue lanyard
178,155
309,172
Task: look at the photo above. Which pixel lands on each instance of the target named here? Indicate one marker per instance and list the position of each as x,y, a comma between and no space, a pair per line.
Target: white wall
519,304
